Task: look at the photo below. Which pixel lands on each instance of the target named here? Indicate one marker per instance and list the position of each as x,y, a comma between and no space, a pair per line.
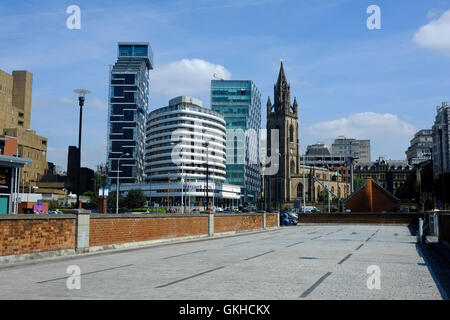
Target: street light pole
182,185
81,97
329,193
206,144
117,182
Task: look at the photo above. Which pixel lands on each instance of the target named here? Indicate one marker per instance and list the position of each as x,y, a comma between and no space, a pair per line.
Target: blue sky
382,85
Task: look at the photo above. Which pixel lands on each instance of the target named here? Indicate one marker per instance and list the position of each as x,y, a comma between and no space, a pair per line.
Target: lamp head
81,95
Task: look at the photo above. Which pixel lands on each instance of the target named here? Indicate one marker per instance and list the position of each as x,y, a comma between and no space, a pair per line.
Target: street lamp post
81,97
206,144
329,193
182,185
117,182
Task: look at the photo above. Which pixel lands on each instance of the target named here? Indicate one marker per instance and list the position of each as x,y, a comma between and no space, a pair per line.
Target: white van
310,210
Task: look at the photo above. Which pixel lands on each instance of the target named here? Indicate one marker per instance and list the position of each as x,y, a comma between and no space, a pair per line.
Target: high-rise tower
128,107
239,101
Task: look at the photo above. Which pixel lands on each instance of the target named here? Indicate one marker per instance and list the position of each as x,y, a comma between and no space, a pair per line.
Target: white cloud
66,100
363,126
389,135
433,13
186,77
435,35
98,104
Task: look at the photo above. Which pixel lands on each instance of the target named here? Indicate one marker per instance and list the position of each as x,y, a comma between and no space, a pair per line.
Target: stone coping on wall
37,217
169,215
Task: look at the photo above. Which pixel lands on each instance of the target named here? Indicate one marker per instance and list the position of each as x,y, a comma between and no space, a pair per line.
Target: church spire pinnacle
281,76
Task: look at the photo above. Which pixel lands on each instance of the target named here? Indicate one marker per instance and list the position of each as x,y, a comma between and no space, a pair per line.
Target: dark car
287,219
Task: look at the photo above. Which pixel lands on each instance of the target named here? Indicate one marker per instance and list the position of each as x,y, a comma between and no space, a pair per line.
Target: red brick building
8,145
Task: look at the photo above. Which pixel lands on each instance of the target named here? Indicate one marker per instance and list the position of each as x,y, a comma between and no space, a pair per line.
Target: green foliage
358,182
135,199
323,196
53,205
112,200
89,193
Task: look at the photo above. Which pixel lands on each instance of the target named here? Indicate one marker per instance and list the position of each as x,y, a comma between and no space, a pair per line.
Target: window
299,190
125,51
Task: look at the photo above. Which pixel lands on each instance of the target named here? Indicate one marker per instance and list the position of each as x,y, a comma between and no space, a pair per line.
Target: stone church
286,186
283,189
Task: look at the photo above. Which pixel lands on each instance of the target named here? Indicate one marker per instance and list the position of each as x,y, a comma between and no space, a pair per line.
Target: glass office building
127,110
239,101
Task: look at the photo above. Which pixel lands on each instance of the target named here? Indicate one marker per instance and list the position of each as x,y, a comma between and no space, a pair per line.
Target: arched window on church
299,190
291,133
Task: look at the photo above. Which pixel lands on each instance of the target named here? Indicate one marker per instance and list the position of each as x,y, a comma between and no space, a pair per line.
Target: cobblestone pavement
303,262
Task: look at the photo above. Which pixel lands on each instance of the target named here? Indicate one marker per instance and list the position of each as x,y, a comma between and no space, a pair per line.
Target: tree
112,200
93,199
358,182
323,196
135,199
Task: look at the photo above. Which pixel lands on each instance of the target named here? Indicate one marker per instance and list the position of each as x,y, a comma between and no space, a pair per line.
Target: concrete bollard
420,230
211,224
264,220
82,230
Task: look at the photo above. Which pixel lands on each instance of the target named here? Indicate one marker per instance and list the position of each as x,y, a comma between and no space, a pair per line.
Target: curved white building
186,125
186,146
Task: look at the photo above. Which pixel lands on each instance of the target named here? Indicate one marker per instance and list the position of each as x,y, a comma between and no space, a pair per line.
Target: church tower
285,187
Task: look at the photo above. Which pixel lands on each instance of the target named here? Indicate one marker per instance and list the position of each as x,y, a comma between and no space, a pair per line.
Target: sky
380,84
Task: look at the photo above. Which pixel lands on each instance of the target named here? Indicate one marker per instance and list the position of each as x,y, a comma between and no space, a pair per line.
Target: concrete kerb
62,255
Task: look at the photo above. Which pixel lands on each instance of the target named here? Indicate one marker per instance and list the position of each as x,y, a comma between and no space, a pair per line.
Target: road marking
315,285
269,238
238,243
260,255
316,238
308,258
294,244
359,247
190,277
184,254
343,260
84,274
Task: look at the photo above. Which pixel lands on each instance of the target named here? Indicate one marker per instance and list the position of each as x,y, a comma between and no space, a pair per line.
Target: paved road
304,262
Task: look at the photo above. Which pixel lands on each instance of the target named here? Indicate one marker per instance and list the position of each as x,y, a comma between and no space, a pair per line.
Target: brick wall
231,223
31,234
271,221
21,234
361,218
111,229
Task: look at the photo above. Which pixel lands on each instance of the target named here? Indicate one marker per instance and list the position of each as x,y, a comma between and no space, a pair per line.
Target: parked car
219,210
310,210
287,219
55,212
